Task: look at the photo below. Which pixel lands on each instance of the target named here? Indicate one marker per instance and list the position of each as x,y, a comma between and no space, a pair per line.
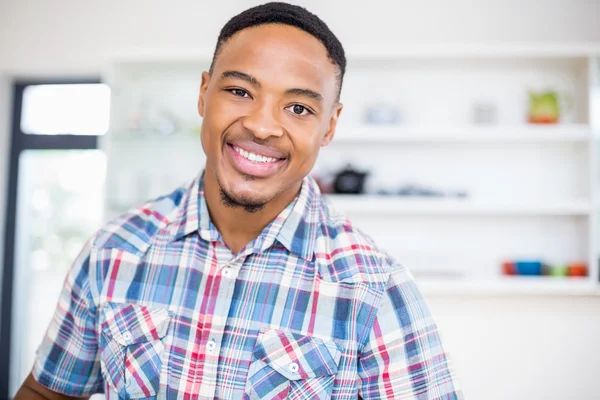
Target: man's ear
203,89
337,109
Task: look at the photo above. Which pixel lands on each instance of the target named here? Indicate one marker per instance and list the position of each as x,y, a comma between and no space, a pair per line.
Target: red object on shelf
577,269
543,119
509,268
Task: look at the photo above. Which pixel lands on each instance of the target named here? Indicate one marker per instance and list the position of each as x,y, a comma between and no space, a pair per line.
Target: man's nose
264,121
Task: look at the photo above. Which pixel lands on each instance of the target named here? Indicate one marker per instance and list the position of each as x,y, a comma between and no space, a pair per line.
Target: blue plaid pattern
132,347
157,306
285,361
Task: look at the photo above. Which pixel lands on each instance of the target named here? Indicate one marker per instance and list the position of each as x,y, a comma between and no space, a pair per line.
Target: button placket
230,270
215,336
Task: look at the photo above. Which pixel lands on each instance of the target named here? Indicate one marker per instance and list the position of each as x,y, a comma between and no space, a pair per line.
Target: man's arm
32,390
67,362
404,357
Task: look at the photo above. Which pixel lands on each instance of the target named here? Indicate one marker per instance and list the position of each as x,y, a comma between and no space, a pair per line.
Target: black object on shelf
349,181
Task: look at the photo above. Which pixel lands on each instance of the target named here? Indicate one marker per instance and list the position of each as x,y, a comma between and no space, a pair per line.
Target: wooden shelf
398,205
364,134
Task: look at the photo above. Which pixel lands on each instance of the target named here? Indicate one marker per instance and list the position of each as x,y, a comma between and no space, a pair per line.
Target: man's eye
240,92
299,110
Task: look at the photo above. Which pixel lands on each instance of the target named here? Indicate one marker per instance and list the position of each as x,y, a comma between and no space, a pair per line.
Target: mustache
270,142
249,137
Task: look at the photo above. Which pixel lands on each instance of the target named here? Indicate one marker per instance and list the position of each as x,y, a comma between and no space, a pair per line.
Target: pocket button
294,367
127,337
211,346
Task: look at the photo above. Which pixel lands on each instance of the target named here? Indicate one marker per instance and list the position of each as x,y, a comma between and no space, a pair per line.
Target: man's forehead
272,33
277,51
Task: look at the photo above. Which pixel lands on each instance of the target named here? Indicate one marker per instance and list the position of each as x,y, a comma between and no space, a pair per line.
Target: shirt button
210,346
294,367
127,337
227,272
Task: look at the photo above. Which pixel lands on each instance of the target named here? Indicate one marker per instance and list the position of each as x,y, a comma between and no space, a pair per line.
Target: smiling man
246,284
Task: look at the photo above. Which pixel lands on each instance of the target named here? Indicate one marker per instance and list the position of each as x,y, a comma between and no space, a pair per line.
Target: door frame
19,142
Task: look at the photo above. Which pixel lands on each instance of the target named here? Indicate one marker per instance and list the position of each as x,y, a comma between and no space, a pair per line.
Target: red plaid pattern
157,306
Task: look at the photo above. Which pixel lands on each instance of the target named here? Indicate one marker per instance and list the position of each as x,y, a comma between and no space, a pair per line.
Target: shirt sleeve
67,361
404,357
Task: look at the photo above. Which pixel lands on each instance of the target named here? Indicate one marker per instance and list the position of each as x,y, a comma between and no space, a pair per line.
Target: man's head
269,102
287,14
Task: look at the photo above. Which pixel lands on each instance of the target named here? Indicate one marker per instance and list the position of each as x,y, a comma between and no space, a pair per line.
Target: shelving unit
398,206
571,133
514,286
531,189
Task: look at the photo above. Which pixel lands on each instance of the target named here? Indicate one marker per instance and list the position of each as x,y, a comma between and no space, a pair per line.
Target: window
55,204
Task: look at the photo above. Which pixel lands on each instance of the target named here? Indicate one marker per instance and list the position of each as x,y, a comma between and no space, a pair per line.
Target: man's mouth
254,164
258,158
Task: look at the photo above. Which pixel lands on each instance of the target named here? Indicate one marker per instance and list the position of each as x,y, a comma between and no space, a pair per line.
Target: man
246,283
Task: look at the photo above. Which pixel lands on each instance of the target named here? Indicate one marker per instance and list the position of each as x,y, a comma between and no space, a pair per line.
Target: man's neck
237,226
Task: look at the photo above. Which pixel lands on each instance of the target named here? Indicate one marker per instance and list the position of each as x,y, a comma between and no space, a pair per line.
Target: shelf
363,134
507,168
175,139
400,52
397,205
528,286
567,133
475,50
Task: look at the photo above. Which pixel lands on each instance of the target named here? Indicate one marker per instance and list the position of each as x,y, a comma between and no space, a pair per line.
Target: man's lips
253,147
259,166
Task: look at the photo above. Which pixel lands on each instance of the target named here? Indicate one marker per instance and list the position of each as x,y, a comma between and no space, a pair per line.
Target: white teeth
254,157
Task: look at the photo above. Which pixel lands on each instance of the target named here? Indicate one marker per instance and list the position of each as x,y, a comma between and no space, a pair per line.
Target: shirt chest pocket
132,348
292,366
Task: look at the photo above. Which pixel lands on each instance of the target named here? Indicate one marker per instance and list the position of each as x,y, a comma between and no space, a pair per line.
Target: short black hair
287,14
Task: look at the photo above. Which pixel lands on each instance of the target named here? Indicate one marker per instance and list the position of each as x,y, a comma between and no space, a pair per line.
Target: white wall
520,347
73,36
505,348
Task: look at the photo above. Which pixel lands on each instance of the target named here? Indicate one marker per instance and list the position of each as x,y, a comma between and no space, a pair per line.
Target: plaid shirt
157,306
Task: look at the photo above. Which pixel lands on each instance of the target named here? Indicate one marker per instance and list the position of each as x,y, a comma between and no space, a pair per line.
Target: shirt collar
299,221
295,227
186,219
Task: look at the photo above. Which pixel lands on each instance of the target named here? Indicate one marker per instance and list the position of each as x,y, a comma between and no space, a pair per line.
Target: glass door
55,203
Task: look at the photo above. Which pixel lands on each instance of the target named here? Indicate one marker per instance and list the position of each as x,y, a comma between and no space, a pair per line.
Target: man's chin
247,201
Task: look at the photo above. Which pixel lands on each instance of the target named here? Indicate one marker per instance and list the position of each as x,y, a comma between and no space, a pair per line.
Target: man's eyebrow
240,75
253,81
306,92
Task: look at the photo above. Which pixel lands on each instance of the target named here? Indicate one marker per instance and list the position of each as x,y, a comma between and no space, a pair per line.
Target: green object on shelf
547,107
197,130
559,270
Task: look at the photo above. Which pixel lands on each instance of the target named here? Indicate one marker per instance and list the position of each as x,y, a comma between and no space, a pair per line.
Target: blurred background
468,148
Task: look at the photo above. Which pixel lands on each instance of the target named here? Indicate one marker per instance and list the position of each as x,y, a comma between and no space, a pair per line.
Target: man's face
268,106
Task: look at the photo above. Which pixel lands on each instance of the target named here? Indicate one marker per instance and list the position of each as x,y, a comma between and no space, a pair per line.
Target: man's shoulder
134,230
345,253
